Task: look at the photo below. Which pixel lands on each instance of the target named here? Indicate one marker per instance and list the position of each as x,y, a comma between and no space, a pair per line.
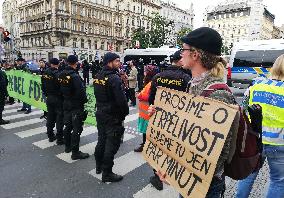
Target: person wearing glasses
201,54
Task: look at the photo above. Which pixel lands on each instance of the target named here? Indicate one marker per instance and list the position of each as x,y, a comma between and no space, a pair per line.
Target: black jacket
3,84
72,89
110,95
172,77
49,82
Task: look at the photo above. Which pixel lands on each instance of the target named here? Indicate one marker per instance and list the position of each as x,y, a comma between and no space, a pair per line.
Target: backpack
248,153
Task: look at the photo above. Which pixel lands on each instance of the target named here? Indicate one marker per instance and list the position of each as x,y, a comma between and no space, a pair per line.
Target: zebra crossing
125,163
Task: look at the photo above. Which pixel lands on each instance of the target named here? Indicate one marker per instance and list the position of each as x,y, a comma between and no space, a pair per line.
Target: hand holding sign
185,137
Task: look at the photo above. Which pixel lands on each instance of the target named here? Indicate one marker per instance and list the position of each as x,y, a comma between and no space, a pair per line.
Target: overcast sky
274,6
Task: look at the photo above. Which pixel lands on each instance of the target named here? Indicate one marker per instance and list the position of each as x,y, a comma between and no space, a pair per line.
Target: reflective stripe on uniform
273,135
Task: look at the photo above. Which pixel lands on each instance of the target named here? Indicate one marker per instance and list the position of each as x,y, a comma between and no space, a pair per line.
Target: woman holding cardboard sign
201,54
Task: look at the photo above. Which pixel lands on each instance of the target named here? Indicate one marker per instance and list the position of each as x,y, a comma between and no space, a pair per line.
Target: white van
251,59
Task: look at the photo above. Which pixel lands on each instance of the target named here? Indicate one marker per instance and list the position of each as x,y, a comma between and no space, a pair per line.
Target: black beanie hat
54,61
206,39
108,57
176,56
72,59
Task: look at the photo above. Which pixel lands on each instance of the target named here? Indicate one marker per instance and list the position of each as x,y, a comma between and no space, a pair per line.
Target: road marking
12,106
131,117
124,164
43,144
22,115
31,132
150,191
87,148
22,123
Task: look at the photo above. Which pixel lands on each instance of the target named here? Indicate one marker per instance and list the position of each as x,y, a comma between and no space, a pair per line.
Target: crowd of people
196,66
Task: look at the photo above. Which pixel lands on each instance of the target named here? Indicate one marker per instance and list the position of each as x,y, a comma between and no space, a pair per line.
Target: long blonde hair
215,64
277,71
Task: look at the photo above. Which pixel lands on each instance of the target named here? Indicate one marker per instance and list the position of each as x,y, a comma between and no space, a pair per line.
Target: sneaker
79,155
156,182
111,177
52,139
3,122
139,149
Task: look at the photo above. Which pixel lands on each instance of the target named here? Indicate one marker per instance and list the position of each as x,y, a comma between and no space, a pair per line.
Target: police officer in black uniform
74,93
112,108
54,101
3,95
173,77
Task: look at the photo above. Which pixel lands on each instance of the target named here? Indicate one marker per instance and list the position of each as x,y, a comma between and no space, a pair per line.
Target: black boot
68,149
111,177
98,169
3,122
156,182
51,138
79,155
59,141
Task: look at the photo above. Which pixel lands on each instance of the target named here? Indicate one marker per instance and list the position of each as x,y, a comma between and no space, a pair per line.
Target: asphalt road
31,167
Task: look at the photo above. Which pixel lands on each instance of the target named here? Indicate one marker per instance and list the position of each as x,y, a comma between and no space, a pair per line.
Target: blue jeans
27,107
275,159
216,189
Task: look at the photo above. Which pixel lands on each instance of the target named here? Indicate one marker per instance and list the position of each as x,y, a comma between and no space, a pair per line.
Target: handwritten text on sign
185,137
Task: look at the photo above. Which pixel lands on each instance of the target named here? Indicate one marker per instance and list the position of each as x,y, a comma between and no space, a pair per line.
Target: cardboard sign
185,137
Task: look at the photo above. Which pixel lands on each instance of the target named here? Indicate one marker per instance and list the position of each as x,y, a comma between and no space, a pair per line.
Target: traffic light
6,36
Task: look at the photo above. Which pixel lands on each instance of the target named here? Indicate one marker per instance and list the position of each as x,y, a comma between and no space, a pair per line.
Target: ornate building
240,20
88,28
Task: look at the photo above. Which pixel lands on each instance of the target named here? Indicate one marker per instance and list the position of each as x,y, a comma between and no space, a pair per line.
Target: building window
82,43
89,44
74,9
82,27
96,44
74,25
75,43
62,5
133,8
102,45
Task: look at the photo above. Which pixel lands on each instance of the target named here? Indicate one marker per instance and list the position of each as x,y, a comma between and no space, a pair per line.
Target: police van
252,59
149,54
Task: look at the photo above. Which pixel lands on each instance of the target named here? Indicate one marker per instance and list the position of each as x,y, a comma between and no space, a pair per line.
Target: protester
8,67
86,72
132,83
201,54
272,130
42,69
111,111
21,65
3,95
176,73
143,98
54,102
74,94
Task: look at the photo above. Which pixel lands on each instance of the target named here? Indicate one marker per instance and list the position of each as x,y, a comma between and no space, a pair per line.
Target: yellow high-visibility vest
269,94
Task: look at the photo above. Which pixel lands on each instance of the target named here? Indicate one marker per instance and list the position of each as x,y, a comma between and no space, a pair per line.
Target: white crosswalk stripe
31,132
43,144
88,148
22,115
22,123
13,111
150,191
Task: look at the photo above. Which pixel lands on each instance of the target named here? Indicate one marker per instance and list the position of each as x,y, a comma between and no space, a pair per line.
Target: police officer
112,108
54,101
74,93
3,95
173,73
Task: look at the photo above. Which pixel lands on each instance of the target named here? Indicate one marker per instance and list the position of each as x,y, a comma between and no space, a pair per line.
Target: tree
183,31
156,36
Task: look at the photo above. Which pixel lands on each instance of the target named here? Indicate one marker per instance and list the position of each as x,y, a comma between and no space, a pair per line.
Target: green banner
27,88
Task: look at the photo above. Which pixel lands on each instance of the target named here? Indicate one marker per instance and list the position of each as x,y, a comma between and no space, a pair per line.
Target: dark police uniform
112,108
3,94
172,77
74,93
54,102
